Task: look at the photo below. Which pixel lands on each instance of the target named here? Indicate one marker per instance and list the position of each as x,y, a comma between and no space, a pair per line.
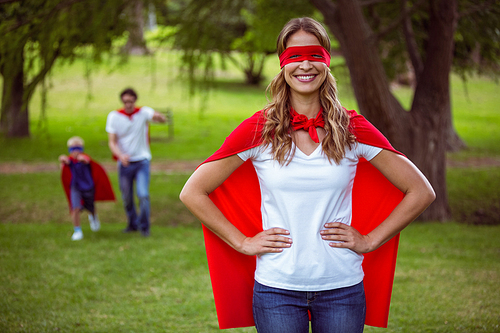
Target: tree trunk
419,133
369,81
14,115
136,44
431,109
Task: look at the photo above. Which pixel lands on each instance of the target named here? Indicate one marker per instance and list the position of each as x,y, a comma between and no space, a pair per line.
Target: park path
156,167
190,166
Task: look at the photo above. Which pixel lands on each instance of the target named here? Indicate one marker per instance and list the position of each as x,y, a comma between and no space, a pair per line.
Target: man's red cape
232,273
102,185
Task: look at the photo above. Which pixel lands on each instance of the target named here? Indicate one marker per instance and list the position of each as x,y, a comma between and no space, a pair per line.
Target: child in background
82,180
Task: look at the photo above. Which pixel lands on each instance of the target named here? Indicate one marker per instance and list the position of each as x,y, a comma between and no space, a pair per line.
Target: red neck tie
300,121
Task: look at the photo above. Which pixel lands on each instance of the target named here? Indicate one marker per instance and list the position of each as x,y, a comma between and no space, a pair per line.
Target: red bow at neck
129,115
300,121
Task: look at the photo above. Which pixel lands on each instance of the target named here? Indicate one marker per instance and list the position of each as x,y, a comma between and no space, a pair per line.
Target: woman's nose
305,65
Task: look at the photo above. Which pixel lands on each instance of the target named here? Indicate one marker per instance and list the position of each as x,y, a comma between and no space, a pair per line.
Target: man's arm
113,146
159,117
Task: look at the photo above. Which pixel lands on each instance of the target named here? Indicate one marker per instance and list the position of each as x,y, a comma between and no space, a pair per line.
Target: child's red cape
102,185
232,273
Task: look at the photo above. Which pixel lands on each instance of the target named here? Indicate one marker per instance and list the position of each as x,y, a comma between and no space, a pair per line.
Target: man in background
128,140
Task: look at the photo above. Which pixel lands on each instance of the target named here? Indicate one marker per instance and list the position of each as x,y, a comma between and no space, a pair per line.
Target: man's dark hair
128,91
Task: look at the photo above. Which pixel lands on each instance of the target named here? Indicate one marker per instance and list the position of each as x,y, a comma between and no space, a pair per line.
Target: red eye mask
301,53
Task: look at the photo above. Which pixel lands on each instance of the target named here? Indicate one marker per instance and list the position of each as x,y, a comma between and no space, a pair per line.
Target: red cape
232,273
102,185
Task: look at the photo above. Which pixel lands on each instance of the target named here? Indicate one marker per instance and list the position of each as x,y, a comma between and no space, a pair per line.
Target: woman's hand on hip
272,240
342,235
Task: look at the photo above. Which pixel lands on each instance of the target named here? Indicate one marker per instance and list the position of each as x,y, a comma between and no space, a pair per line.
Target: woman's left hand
344,236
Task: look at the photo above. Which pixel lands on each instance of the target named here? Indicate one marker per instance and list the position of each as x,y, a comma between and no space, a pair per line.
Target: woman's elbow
432,196
428,195
184,195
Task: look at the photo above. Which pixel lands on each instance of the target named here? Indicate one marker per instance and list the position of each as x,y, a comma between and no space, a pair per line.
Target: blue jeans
138,171
286,311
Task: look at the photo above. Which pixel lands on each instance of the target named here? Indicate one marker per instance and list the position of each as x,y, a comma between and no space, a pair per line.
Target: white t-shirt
132,132
301,197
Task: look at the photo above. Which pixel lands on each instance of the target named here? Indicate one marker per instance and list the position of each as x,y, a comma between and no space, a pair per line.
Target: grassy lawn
447,275
446,280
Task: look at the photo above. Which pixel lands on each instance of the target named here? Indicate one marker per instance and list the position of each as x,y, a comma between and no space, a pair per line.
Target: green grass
109,282
39,198
474,194
446,280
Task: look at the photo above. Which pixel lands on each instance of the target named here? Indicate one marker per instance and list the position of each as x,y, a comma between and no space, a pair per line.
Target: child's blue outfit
82,185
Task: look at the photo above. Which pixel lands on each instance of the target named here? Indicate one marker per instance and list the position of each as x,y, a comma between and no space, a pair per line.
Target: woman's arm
195,196
403,174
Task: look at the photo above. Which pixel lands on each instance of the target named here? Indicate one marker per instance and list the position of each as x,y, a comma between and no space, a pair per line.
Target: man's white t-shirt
301,197
132,132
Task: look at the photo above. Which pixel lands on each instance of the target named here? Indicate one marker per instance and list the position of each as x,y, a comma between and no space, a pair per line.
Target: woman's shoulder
258,118
251,127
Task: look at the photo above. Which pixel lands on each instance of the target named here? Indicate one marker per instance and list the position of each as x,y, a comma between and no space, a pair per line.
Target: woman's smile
306,78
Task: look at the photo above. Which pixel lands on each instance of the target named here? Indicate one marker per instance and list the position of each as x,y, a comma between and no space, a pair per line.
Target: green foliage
36,33
264,20
211,29
205,30
477,40
45,29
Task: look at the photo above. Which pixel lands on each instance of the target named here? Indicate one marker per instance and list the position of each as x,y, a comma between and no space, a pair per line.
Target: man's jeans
286,311
140,172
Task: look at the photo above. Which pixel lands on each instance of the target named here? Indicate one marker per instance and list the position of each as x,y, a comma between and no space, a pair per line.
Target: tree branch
325,6
234,61
372,2
45,16
397,22
476,8
8,1
30,87
411,44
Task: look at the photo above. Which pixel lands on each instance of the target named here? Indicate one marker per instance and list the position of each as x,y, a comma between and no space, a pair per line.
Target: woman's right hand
272,240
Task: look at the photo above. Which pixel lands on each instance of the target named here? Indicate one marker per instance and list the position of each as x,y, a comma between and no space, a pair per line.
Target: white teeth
305,77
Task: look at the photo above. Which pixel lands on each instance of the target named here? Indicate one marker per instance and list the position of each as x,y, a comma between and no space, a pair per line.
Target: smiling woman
312,204
306,68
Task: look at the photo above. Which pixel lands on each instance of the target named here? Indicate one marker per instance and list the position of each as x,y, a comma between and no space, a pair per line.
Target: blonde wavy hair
277,129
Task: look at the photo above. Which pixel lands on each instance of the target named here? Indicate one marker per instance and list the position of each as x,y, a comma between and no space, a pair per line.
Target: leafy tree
379,37
37,32
209,29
